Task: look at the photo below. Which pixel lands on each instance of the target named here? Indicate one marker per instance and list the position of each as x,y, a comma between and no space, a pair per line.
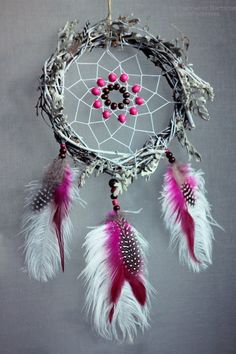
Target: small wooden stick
109,17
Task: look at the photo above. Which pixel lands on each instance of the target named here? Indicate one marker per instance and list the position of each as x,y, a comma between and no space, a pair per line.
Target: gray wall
191,313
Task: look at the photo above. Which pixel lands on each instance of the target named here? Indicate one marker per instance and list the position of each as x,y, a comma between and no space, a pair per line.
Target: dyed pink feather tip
187,214
62,201
180,187
125,260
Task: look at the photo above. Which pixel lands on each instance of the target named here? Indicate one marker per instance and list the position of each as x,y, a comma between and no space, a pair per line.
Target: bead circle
112,77
136,88
126,94
133,111
104,100
122,118
97,104
96,91
116,86
122,89
126,101
114,105
139,101
121,105
107,102
106,90
101,82
106,114
124,77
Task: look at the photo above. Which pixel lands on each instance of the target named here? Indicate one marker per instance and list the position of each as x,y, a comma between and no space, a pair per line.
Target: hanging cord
109,7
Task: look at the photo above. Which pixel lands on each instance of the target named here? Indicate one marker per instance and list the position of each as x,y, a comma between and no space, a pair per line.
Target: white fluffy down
201,213
128,315
42,256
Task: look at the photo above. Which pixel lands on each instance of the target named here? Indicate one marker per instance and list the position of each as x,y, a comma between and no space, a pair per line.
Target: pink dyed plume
61,205
124,260
180,186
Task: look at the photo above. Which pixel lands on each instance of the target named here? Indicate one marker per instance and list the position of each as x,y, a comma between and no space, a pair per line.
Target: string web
110,136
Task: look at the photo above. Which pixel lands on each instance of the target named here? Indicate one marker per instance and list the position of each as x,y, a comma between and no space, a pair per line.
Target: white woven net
110,136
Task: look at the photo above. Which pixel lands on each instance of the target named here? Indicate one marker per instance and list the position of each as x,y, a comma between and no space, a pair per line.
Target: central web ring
87,121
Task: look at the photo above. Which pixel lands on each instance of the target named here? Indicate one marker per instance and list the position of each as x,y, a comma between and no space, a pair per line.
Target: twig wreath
115,274
189,92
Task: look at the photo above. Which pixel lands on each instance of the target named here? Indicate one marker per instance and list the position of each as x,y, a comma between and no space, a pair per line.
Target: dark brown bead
126,101
116,86
121,105
113,105
62,152
112,182
169,154
107,102
122,89
106,91
104,96
110,87
113,189
172,159
116,207
126,95
113,196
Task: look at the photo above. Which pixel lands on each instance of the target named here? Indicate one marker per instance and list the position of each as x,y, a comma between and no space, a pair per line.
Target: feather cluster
187,215
117,289
46,223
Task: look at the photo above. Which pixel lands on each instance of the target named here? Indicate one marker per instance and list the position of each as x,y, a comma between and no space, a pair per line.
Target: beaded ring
108,88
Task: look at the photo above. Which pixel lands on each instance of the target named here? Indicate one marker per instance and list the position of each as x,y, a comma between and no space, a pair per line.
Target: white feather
42,256
201,213
128,315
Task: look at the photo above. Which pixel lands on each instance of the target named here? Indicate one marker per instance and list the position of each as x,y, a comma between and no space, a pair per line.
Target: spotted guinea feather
118,292
51,179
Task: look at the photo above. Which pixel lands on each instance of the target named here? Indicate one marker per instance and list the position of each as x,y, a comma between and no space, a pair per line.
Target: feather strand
187,214
42,254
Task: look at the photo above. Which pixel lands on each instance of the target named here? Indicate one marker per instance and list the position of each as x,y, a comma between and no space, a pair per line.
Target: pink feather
177,177
61,205
124,260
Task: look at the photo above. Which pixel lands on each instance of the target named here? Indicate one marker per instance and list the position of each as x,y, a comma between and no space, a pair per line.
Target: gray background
191,313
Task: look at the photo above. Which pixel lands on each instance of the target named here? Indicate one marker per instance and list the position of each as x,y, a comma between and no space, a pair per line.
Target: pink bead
139,101
112,77
115,202
96,91
101,82
122,118
97,104
124,77
136,88
106,114
133,111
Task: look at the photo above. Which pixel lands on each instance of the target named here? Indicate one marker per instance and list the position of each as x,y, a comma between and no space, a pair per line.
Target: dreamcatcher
120,103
